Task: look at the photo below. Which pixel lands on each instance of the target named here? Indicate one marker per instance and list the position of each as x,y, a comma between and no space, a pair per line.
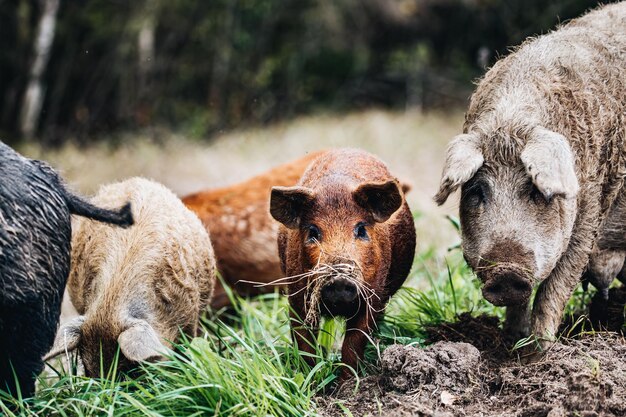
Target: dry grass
411,143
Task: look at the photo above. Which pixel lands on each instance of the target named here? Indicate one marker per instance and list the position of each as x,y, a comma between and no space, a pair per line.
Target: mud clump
444,365
482,331
585,376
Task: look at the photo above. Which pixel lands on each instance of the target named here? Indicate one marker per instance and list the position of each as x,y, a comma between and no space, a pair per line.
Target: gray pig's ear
67,338
549,161
382,199
287,204
139,342
463,158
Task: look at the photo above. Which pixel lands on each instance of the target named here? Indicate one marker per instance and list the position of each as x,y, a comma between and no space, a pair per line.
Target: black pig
35,236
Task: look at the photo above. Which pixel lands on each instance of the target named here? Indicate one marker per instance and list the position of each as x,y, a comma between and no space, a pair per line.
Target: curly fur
160,272
570,83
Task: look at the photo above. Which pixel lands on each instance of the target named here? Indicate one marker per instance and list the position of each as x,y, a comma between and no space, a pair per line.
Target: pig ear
139,342
287,204
463,158
67,338
382,199
549,161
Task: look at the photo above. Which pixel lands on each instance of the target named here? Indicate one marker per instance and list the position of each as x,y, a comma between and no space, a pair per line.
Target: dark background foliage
204,66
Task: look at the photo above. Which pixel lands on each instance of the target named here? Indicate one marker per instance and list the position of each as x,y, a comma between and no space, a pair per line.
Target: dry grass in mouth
495,267
322,274
318,277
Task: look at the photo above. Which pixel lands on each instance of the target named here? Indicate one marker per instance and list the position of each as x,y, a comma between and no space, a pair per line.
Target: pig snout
339,291
506,273
507,288
339,297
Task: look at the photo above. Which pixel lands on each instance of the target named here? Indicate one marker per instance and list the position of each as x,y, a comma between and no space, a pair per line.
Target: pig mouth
506,286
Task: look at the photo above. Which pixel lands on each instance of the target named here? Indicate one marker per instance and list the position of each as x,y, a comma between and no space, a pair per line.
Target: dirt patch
462,376
450,366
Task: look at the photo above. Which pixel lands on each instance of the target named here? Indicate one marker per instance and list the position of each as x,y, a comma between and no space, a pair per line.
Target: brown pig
541,164
346,244
242,231
136,289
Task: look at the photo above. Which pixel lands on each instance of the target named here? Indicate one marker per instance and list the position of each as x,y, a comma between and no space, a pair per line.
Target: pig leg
613,236
303,336
554,293
550,301
621,276
23,344
604,266
517,324
358,330
220,298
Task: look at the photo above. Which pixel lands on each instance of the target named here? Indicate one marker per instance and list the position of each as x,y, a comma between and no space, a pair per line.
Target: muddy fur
576,377
607,259
346,232
35,232
242,231
541,161
138,288
604,266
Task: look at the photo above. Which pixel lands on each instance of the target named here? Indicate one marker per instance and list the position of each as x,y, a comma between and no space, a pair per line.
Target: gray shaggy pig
35,233
541,166
136,289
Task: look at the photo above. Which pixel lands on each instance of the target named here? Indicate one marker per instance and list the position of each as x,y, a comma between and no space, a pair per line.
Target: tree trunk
218,89
145,47
34,95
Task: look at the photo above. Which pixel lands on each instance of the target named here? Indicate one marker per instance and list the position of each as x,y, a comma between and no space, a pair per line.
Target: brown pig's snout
339,291
507,288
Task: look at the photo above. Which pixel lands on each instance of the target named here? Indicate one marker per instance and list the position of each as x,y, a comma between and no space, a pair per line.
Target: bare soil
470,370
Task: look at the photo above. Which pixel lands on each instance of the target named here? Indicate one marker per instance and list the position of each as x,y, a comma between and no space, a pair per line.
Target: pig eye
360,232
475,195
314,234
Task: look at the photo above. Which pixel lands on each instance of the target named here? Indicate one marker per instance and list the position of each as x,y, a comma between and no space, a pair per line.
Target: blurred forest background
83,69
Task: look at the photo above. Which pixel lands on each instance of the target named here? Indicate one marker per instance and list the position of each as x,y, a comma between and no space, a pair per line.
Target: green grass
245,364
245,368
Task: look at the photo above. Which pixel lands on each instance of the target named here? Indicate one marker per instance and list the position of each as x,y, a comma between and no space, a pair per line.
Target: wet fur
35,234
